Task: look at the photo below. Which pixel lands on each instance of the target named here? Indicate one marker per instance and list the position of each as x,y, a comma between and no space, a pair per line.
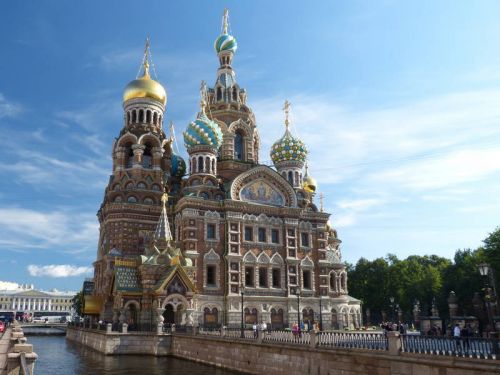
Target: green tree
491,252
77,303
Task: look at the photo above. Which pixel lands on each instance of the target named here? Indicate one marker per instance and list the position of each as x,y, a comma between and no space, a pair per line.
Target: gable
263,185
175,280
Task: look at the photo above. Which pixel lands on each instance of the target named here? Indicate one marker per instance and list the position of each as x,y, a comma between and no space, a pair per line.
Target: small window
263,277
132,199
306,279
141,185
249,276
148,201
118,199
211,231
211,275
275,236
248,234
304,238
276,278
262,234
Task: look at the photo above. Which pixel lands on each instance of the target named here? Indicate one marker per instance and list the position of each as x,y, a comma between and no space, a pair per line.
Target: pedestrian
456,336
255,333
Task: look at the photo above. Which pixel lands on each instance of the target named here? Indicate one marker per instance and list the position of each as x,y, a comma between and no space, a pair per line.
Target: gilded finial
321,197
145,59
164,199
286,108
307,170
225,21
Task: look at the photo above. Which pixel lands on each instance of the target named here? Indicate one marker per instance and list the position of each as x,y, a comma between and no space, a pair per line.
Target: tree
491,252
77,302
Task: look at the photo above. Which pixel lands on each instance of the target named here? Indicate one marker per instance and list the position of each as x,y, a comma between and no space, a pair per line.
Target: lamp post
242,291
392,308
485,271
297,291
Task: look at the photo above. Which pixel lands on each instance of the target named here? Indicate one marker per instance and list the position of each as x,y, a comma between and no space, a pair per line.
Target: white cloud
30,229
57,270
7,285
8,108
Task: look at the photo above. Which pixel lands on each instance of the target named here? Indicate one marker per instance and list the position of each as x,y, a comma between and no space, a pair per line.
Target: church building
207,240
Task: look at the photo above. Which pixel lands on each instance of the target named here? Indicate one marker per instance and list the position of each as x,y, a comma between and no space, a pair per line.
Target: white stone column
29,304
44,304
50,304
39,304
13,305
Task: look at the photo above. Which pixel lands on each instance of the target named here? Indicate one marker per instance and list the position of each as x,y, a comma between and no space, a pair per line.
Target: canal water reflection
58,356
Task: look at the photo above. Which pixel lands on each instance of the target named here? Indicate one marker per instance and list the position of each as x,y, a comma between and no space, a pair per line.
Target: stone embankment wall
119,343
16,355
254,357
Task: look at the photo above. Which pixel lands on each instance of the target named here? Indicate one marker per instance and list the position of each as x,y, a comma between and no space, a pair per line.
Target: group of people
402,328
259,327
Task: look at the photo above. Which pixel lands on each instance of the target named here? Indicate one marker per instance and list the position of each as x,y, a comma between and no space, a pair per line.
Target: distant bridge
40,329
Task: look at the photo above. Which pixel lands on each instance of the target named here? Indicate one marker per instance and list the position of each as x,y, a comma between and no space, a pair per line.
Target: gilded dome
203,131
309,184
145,87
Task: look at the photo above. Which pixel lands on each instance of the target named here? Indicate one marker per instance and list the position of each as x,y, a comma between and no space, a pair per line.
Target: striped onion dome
288,148
204,132
225,42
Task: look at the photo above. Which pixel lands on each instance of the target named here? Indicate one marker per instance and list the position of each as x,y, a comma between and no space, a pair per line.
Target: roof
169,275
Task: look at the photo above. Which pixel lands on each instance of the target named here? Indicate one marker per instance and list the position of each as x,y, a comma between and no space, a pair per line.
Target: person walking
456,336
255,333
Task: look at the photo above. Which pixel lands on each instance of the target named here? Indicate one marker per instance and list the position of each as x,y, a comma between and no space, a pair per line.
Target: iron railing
357,340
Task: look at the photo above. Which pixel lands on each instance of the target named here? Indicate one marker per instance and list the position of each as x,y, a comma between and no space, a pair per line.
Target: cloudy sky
398,103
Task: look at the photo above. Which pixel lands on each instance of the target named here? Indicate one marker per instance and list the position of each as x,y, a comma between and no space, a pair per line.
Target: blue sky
398,103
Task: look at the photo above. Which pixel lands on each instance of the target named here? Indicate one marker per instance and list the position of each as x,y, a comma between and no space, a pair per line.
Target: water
58,356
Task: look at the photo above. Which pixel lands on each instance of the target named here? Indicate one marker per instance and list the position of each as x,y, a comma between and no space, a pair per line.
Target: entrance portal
169,315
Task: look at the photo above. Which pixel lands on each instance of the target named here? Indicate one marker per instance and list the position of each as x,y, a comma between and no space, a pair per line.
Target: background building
186,246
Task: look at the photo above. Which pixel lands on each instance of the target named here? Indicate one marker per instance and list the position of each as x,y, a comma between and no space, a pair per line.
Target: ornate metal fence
472,347
358,340
287,337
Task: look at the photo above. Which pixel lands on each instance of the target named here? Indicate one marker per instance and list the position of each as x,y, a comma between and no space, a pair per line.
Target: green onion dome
288,148
225,42
204,132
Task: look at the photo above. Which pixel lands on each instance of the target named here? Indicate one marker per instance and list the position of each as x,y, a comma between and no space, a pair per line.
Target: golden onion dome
309,184
145,87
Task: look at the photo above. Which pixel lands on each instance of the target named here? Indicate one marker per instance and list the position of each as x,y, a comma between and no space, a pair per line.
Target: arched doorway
308,318
276,319
335,324
169,315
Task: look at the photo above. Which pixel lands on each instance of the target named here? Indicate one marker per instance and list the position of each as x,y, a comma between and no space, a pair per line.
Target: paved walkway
4,346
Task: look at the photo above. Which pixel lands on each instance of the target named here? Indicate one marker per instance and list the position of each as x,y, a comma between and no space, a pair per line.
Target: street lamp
297,291
392,308
242,291
485,271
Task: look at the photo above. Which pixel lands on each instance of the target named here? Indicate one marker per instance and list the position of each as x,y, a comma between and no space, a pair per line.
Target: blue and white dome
225,42
203,132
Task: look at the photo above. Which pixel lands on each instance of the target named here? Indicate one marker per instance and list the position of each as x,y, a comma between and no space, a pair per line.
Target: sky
397,102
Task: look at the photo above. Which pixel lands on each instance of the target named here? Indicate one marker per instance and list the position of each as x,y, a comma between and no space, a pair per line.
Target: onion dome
145,87
309,184
288,147
178,166
203,132
225,42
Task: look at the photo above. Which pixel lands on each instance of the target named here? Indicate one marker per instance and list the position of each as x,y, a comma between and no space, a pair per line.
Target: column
44,303
50,304
13,306
39,304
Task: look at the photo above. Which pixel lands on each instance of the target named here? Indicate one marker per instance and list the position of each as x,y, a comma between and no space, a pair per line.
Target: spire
321,198
225,21
162,232
145,60
203,96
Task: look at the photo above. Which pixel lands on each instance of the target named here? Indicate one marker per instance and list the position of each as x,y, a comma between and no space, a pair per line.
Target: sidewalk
4,347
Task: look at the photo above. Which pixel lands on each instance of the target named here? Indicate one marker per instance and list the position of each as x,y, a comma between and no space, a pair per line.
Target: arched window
297,182
235,94
118,199
141,185
159,119
193,165
238,146
155,118
207,165
148,116
213,166
129,156
148,201
132,199
128,117
219,94
200,164
332,281
204,195
155,187
141,115
129,186
290,177
134,116
146,156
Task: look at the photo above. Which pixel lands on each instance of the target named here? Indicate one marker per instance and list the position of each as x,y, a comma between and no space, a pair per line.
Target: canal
58,356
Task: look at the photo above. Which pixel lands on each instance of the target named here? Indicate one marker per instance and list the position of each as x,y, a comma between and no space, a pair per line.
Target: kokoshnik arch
180,241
